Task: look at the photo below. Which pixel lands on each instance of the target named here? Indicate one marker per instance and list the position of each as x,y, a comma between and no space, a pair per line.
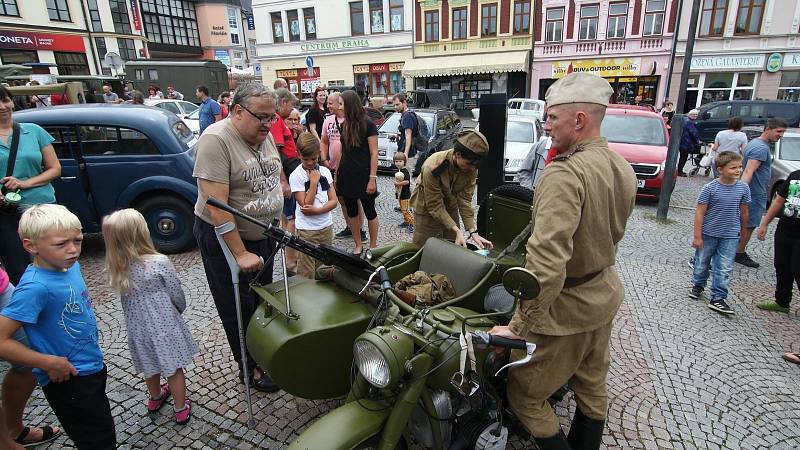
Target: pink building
627,42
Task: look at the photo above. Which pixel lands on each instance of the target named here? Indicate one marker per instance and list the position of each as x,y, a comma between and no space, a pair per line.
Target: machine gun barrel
329,255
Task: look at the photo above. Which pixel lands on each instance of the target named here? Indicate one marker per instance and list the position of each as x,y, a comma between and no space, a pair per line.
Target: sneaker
691,263
154,404
344,233
696,292
772,306
720,306
745,260
402,224
182,417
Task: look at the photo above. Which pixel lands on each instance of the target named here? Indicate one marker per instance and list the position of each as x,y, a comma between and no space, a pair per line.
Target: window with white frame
654,17
235,38
311,23
588,24
554,28
376,16
277,27
396,15
294,25
789,89
252,44
617,20
233,19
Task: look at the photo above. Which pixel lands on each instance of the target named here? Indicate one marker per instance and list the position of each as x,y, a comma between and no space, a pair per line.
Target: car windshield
630,129
519,132
189,107
790,148
183,132
392,123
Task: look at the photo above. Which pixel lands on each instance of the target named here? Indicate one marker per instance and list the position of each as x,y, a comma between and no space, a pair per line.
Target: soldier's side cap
474,141
579,87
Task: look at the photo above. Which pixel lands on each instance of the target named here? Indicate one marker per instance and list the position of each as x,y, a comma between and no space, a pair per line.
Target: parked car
192,121
786,159
520,106
713,117
640,136
116,156
522,135
446,124
180,108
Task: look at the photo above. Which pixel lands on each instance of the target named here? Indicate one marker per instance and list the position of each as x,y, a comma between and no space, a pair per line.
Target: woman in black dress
356,177
316,115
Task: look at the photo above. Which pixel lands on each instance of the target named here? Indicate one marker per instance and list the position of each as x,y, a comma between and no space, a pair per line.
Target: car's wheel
513,191
170,221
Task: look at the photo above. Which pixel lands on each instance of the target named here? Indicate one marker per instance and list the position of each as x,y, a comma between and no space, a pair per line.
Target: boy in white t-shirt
312,187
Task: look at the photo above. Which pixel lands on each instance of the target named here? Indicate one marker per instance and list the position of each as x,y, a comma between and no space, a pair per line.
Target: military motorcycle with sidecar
425,375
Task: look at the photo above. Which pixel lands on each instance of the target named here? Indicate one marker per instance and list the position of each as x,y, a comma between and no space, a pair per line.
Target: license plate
384,163
640,183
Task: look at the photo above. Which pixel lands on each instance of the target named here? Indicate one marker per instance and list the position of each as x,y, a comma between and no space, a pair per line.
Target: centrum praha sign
339,44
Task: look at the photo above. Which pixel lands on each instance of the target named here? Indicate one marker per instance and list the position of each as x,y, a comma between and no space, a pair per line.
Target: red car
640,136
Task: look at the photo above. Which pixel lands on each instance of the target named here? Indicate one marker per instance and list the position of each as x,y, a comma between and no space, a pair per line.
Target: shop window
522,16
356,18
654,17
554,29
18,56
376,16
789,89
311,23
712,18
277,27
94,15
9,8
396,15
459,23
489,19
119,14
294,25
398,82
617,20
58,10
127,49
71,63
588,23
748,18
431,26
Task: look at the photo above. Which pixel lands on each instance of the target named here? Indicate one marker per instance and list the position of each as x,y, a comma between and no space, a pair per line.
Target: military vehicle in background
185,76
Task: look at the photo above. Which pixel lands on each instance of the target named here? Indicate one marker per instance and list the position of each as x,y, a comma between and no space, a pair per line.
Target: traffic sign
310,62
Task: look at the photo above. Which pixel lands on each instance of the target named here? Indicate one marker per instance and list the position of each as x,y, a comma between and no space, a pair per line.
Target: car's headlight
513,165
663,165
381,354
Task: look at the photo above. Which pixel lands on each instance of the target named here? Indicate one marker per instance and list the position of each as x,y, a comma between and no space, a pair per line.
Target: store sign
251,22
774,62
223,57
609,67
286,73
361,69
378,67
21,40
137,21
395,67
713,62
791,60
336,45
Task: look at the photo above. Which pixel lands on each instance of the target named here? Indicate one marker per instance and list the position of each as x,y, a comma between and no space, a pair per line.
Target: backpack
419,135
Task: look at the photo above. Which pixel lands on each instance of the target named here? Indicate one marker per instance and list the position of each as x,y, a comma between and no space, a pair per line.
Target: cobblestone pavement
682,376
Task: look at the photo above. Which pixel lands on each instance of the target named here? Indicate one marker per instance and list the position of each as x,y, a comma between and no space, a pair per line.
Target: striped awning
466,64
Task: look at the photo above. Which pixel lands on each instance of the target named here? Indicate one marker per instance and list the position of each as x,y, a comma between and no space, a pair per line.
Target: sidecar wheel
372,444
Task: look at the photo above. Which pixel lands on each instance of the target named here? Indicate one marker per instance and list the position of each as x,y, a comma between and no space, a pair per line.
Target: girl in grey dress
152,302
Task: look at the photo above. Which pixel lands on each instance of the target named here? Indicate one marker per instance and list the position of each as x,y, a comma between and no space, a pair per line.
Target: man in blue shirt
757,171
210,111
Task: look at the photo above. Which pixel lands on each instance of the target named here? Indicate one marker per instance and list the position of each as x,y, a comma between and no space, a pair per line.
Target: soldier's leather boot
585,433
555,442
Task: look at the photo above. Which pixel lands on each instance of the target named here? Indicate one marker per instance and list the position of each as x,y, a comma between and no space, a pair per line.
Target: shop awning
466,64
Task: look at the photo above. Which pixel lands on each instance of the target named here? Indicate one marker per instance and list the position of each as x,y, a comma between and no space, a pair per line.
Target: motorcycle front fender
344,427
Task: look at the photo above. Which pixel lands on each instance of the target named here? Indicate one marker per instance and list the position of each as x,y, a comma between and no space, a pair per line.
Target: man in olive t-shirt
237,163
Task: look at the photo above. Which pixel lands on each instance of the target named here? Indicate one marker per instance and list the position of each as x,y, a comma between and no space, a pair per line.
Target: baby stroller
700,160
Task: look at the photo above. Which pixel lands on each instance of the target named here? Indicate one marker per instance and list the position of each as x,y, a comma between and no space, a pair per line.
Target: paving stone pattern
682,376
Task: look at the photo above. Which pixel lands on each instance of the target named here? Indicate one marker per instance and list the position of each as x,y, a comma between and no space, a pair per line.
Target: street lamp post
677,119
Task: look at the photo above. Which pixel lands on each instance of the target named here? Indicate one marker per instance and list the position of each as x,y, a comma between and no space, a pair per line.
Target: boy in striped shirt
720,216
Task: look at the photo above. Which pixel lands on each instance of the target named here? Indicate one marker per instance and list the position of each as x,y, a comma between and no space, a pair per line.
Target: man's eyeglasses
265,119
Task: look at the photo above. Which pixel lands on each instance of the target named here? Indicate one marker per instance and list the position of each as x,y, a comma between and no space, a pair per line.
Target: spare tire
512,191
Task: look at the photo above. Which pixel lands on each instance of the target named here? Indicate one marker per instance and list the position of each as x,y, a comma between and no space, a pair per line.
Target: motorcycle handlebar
484,338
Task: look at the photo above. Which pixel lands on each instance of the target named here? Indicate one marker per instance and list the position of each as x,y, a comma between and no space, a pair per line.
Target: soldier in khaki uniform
581,208
444,191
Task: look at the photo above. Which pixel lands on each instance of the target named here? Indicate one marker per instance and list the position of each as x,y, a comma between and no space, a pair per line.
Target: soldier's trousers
426,226
582,360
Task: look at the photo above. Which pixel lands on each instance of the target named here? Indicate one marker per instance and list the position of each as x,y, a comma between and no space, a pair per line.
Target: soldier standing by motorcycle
444,191
581,209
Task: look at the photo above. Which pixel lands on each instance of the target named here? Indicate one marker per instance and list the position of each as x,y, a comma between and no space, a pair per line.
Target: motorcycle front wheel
372,444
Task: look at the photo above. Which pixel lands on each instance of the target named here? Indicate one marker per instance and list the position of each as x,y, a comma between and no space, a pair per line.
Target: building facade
472,47
362,43
222,32
627,42
745,49
75,35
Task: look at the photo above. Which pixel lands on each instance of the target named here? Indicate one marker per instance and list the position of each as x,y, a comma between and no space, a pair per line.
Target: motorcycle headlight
381,354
